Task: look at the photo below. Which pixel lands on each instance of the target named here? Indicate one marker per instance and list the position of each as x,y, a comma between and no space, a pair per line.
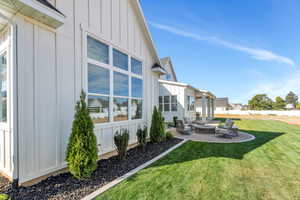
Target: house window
120,60
97,50
136,67
161,104
113,89
190,103
136,109
3,87
174,103
166,103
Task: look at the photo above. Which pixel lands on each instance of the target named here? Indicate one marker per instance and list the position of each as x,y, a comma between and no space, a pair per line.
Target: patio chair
182,128
229,130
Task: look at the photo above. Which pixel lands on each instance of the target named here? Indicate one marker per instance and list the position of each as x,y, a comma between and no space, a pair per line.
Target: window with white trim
190,103
168,103
3,87
115,86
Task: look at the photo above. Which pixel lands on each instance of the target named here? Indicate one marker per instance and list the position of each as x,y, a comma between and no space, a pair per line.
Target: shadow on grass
198,150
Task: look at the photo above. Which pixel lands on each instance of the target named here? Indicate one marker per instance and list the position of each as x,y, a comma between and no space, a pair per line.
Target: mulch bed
64,186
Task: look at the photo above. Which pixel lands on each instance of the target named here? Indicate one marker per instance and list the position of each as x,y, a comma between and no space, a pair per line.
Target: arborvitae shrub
121,141
142,136
157,131
82,151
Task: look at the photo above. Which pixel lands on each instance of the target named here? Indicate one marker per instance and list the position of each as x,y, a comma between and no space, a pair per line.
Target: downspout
14,101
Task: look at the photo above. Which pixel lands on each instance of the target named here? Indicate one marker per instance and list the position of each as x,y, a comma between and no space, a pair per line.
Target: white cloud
259,54
279,87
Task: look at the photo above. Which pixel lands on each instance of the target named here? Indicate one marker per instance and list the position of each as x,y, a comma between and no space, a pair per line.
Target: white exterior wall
52,71
169,90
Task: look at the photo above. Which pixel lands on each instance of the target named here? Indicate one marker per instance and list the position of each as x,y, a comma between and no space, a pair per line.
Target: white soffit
35,10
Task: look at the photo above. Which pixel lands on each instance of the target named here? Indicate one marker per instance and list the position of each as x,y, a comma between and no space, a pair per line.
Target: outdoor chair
182,128
229,130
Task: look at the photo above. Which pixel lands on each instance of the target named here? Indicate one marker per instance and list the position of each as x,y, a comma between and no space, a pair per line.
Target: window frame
110,66
163,104
5,48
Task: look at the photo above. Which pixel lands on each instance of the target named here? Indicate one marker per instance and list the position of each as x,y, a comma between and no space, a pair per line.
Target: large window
168,103
115,87
191,103
3,87
97,50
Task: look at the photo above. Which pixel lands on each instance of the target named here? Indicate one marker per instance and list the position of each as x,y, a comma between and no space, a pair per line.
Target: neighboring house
222,104
48,54
168,66
182,100
290,106
236,106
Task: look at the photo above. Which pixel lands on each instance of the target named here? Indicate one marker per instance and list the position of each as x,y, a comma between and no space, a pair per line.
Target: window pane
136,87
120,60
161,107
3,87
174,107
98,80
166,99
99,108
160,99
120,109
121,86
97,50
167,107
136,109
174,99
136,66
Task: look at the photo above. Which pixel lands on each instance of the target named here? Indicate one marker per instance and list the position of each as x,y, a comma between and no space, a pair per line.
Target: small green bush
169,135
121,140
175,118
157,131
4,197
142,136
82,151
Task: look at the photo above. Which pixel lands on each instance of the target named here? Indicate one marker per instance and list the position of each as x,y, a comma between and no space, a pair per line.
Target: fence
292,113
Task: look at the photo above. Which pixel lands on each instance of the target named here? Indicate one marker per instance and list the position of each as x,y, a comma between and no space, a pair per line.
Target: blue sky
233,48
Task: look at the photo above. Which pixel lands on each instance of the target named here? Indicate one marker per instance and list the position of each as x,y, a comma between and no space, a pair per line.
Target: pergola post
203,98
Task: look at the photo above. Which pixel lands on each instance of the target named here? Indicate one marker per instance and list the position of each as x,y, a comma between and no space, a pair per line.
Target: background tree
298,106
279,103
291,98
261,102
82,151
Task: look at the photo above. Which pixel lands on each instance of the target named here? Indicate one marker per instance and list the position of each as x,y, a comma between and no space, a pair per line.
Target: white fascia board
48,12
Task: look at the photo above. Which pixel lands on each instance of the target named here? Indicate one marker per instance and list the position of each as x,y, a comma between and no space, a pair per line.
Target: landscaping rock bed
64,186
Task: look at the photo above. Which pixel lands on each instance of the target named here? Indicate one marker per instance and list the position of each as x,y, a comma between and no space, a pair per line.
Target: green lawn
266,168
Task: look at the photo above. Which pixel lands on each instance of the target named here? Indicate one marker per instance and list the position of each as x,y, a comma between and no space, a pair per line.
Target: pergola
207,101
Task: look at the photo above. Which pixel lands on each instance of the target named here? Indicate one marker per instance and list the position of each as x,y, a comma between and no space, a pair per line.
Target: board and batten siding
52,72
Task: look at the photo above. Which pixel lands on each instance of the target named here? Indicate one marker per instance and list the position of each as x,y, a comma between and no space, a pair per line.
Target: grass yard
266,168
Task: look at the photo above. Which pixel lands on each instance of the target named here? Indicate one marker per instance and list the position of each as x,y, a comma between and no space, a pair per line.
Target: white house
182,100
49,52
222,104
